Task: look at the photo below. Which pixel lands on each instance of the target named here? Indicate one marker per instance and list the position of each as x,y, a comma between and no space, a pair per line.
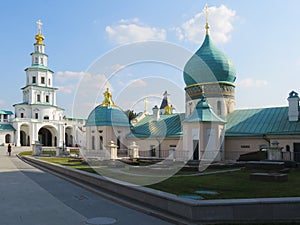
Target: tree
130,114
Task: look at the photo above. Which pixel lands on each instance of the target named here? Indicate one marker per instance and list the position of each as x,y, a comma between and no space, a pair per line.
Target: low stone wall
192,211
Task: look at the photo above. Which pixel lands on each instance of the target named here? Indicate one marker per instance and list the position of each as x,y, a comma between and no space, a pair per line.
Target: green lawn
232,185
229,185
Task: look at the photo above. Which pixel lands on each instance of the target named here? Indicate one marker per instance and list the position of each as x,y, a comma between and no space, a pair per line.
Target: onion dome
107,114
208,64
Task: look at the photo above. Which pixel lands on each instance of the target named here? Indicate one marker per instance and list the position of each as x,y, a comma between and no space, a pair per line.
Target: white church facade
38,118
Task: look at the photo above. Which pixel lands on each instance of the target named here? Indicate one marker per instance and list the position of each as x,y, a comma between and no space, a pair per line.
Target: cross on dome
39,23
206,18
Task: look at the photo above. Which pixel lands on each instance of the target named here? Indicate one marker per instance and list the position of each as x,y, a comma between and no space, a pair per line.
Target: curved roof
107,116
208,64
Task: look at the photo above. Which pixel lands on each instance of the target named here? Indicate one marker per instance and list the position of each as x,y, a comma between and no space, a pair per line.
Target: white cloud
249,83
63,76
220,20
127,31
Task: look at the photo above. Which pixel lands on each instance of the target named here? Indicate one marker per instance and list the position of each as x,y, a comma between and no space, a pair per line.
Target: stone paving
29,196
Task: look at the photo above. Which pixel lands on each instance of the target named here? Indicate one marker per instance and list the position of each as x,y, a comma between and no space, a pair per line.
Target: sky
91,42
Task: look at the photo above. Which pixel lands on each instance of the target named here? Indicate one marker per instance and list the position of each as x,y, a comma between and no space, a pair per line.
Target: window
5,118
49,82
36,115
43,80
38,98
46,117
42,61
93,142
101,143
287,148
219,108
33,80
47,98
22,115
36,60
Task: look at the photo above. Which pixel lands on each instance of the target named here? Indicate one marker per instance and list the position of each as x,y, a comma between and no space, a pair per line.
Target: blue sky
261,38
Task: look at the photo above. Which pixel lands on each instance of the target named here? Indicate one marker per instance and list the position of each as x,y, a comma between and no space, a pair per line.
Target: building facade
38,118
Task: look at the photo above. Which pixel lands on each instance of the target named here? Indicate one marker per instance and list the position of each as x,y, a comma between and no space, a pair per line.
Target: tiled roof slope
253,122
166,126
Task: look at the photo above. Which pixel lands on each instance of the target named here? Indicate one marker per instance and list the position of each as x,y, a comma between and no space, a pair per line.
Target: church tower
209,70
39,78
37,117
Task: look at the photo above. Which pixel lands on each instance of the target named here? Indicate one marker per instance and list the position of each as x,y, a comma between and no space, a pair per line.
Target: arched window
46,117
7,138
101,143
93,142
219,108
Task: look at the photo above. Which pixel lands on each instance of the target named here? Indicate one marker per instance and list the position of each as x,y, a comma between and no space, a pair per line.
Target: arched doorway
24,135
69,136
7,138
45,137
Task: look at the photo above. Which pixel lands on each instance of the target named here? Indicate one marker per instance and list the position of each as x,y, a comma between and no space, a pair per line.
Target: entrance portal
45,137
196,149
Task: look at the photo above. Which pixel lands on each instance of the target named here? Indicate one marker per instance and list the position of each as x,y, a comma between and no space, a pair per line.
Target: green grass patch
25,153
231,185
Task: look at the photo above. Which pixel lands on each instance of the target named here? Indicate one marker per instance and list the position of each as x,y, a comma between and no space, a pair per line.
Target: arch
46,136
24,135
69,136
7,138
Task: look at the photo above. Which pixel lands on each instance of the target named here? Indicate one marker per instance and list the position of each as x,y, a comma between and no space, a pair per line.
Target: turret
293,100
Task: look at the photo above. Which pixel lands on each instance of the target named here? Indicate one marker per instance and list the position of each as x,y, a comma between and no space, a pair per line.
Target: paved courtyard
29,196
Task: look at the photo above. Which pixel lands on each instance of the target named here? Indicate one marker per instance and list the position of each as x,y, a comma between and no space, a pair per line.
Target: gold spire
206,18
39,37
107,98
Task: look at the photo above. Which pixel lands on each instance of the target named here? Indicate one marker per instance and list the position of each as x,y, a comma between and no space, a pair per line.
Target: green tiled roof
166,126
203,113
37,66
6,127
208,64
256,122
107,116
5,112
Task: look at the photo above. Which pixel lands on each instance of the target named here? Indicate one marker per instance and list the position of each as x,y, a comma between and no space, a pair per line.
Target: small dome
208,64
107,116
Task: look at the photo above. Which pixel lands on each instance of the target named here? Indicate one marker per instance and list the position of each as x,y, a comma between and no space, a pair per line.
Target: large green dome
208,64
107,116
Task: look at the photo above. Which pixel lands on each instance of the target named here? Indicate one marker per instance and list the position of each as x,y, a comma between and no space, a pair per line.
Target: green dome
107,116
208,64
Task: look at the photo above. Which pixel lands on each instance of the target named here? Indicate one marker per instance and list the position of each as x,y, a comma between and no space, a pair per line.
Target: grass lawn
230,185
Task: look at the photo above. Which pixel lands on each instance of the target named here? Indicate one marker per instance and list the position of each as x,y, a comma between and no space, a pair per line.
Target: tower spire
206,18
39,37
